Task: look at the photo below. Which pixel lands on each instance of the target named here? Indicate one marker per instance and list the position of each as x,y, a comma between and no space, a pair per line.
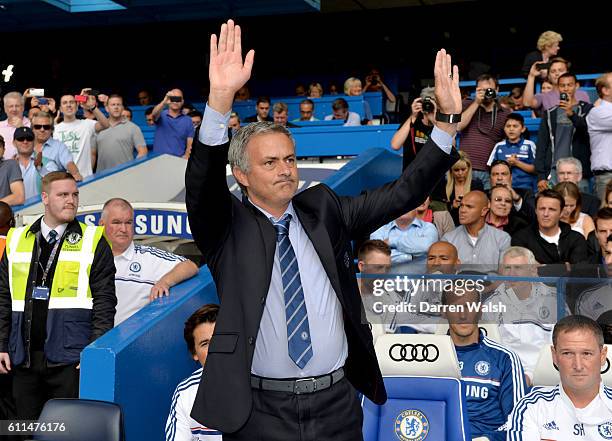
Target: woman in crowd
352,87
571,214
501,214
459,182
548,47
315,90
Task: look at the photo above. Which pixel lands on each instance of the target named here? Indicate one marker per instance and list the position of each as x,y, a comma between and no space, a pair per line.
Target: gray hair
238,156
119,202
575,162
428,92
519,252
14,95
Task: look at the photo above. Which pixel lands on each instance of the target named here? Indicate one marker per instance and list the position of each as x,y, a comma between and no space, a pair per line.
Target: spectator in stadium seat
241,406
502,215
333,88
570,170
300,90
127,113
477,242
523,200
374,83
149,116
599,122
530,308
306,111
78,134
518,152
373,257
24,143
550,240
174,130
116,144
341,111
243,94
547,100
548,48
145,98
144,273
281,114
563,133
572,211
482,126
315,90
234,121
11,183
581,405
491,374
408,237
13,107
441,219
51,154
63,309
352,87
198,333
459,182
414,133
262,109
599,238
196,118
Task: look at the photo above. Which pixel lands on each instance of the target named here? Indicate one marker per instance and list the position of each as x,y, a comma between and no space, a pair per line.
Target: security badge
40,293
73,238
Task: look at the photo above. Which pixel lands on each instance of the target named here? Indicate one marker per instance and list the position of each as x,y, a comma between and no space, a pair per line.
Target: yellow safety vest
70,285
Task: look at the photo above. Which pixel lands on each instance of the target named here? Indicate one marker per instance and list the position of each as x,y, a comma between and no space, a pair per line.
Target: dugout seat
546,374
425,399
89,420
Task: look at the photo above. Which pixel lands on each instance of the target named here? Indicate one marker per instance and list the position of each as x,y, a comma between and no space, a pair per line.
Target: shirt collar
289,210
45,229
416,222
586,418
128,254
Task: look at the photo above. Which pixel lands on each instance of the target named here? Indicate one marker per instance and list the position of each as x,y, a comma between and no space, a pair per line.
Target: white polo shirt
548,414
138,269
180,426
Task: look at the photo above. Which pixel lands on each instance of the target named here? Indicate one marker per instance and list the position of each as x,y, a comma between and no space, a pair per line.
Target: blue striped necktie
298,331
52,237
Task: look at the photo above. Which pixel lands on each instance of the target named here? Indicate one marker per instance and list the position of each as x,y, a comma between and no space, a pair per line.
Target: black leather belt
298,386
601,172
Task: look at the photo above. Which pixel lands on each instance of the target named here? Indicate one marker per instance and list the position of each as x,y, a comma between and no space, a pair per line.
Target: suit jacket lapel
320,240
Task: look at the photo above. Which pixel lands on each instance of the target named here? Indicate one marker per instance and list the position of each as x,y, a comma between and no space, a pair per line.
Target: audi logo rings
410,352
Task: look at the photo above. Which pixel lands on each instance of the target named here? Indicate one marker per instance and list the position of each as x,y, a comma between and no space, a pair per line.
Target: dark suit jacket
253,118
238,243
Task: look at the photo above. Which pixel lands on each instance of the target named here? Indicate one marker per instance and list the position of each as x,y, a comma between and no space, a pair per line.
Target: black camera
490,94
175,98
374,81
564,96
427,105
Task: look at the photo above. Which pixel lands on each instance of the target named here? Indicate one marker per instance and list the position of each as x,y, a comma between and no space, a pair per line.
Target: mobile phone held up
43,101
542,66
175,99
80,98
37,92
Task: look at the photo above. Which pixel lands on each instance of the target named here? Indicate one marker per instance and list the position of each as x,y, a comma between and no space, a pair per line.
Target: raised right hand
542,185
227,72
417,106
5,363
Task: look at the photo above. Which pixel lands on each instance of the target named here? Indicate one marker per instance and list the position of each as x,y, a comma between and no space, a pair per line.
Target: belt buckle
309,385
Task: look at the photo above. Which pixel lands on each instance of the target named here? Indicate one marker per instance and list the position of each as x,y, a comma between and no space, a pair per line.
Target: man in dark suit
290,347
262,109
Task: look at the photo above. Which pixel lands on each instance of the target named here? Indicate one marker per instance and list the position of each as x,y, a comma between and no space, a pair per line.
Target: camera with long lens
564,96
490,94
427,105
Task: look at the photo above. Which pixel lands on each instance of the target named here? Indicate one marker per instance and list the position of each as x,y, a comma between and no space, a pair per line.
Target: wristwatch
451,118
93,108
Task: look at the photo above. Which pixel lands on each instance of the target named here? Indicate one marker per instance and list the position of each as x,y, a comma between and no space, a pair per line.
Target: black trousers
333,414
34,386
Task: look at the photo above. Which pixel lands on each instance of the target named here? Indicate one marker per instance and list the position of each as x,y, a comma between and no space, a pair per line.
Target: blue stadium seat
425,399
89,420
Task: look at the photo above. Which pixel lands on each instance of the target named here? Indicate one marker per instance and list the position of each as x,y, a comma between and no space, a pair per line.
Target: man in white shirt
580,407
340,110
530,308
143,273
78,134
180,426
599,122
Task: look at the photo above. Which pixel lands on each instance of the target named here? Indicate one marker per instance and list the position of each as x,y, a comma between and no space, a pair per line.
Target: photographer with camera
375,83
174,130
563,133
482,126
414,133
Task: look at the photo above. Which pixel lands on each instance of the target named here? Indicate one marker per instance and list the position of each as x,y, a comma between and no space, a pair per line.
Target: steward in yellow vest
57,295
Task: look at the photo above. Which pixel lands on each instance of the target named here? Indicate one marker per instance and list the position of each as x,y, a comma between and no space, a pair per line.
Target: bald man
174,131
476,242
442,257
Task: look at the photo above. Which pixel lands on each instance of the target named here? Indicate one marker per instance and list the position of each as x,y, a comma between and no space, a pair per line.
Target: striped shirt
481,134
180,426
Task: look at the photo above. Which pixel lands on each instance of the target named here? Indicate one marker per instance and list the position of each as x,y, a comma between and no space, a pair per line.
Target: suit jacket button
251,341
263,300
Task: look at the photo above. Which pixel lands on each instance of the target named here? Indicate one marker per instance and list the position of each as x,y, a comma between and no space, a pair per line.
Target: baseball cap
22,133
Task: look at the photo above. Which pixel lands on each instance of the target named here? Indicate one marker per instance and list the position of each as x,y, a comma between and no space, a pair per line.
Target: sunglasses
42,126
27,138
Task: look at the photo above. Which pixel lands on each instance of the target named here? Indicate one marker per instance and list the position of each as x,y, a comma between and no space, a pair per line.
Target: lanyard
50,261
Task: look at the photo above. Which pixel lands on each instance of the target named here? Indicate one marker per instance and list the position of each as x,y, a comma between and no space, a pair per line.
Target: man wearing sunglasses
24,143
51,154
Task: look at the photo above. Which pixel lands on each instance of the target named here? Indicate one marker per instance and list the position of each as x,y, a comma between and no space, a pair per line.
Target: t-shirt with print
78,136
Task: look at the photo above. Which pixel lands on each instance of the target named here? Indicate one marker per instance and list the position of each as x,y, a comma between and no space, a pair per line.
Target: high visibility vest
70,285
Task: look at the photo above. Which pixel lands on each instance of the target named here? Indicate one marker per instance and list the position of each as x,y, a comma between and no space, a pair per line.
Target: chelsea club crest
411,425
605,430
482,368
135,267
